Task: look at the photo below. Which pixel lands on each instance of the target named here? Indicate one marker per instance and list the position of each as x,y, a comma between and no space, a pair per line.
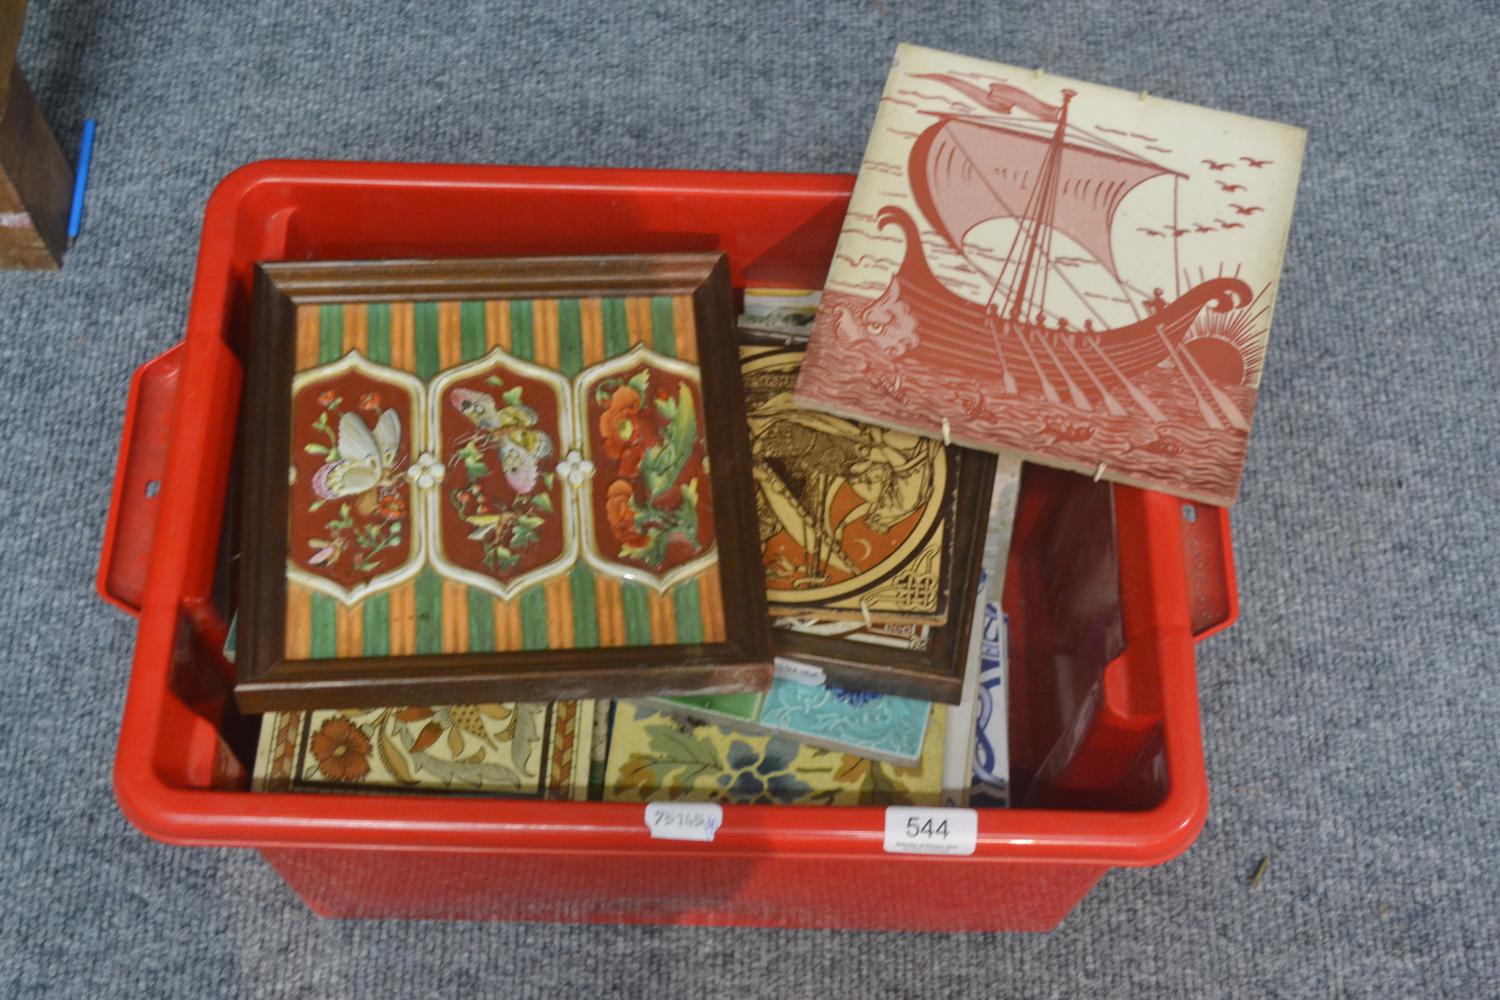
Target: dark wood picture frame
937,672
268,680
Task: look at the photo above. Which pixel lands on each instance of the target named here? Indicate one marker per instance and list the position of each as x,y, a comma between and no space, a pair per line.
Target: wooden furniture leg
36,183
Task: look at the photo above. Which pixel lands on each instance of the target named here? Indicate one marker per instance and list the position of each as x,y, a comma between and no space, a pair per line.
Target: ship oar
1209,416
1110,402
1079,399
1005,376
1231,412
1047,390
1151,410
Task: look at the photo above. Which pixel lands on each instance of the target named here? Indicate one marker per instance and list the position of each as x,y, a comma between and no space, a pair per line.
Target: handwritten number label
800,673
684,820
910,830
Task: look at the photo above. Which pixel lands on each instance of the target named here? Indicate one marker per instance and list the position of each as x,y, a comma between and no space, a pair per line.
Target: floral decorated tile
878,725
483,482
654,756
520,750
797,707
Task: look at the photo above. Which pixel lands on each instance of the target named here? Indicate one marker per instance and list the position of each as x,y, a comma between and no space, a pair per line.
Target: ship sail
964,172
1050,178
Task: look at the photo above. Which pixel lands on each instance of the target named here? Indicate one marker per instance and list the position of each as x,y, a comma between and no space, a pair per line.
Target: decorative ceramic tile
1002,522
1049,267
959,741
855,520
742,708
876,725
508,520
599,747
655,756
654,520
883,727
786,312
897,635
351,506
489,480
492,476
991,781
524,750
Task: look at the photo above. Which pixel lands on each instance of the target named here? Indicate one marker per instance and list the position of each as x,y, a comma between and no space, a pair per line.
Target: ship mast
1036,223
967,171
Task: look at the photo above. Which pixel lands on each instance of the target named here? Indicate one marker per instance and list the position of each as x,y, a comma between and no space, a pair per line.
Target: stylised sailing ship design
1051,178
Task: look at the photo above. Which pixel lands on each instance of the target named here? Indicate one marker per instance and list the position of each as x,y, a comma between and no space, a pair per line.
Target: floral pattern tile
656,756
513,749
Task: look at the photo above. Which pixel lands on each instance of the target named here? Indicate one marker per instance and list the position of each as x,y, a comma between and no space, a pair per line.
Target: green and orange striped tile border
580,609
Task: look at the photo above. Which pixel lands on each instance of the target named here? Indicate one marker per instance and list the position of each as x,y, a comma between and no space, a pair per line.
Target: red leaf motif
427,737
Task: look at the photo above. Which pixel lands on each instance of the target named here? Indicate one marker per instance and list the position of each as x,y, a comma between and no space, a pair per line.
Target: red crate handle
131,528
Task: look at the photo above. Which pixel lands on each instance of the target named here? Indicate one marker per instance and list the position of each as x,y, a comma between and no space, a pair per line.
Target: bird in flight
1257,164
1148,232
1179,232
1199,227
1218,166
1231,188
1229,225
1245,209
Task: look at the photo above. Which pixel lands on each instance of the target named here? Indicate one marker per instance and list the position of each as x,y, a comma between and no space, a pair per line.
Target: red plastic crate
1107,590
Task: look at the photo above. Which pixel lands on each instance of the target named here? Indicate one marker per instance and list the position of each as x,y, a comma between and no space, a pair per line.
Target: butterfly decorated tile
523,483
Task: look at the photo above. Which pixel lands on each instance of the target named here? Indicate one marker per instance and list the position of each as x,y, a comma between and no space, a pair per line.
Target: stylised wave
1183,452
867,260
877,237
858,286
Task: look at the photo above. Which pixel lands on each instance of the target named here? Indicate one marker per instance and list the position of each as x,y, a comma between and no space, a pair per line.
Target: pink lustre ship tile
1069,272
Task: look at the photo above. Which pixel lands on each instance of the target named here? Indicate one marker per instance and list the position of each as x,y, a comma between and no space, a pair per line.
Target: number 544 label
919,830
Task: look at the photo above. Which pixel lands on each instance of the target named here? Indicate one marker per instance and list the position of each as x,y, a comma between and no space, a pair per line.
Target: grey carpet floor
1350,719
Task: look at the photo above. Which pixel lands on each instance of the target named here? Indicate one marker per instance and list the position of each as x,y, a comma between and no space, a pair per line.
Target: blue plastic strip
81,180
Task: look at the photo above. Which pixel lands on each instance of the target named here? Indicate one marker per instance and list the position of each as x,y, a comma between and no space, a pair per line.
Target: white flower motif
575,468
426,472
